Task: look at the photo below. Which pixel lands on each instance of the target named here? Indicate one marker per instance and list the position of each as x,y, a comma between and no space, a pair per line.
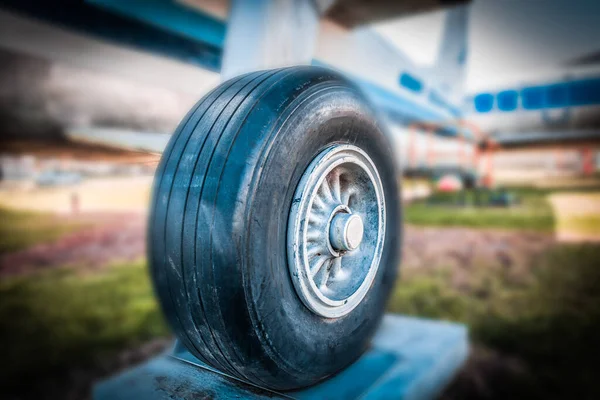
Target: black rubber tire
217,233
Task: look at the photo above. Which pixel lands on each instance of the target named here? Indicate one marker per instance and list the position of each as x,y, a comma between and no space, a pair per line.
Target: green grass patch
22,229
58,321
550,322
531,212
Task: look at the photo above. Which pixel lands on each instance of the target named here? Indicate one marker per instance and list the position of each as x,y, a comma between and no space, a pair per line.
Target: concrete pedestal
410,359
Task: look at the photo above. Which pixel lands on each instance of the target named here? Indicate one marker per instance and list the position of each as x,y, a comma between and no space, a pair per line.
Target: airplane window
557,95
484,102
585,91
411,82
507,100
533,97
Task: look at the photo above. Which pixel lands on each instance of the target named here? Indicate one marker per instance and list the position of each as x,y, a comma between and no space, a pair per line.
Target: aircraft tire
237,208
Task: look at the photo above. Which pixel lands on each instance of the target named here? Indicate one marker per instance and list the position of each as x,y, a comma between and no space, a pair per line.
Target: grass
59,321
549,321
532,212
55,322
22,229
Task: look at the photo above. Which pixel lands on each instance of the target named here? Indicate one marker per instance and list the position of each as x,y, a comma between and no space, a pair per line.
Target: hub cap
336,231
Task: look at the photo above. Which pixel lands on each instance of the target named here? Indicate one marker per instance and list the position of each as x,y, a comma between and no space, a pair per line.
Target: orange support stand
487,144
412,148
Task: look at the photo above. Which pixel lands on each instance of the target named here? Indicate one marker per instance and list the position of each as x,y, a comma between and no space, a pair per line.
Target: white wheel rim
336,230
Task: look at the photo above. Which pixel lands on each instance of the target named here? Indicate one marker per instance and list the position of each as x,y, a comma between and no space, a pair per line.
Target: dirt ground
107,238
460,250
116,237
120,236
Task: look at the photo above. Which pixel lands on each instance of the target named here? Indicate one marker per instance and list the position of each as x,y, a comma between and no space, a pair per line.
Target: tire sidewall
305,346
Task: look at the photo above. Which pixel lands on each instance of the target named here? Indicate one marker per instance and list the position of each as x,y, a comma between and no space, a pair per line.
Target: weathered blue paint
410,359
171,16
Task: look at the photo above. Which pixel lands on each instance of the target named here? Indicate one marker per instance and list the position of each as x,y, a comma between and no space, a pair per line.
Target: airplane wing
347,13
146,142
352,13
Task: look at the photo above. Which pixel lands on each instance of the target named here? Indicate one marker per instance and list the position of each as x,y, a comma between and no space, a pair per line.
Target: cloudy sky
507,38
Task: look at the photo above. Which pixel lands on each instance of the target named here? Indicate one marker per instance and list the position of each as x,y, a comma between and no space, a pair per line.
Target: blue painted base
410,359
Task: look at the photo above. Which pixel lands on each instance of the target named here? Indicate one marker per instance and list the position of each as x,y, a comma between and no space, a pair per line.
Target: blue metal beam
172,17
121,30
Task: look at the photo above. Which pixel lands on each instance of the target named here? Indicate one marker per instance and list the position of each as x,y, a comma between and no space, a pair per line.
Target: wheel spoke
327,192
316,219
346,195
318,265
323,276
319,203
336,269
317,251
313,236
336,186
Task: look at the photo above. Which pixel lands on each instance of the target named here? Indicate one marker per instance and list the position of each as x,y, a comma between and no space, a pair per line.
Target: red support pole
430,151
412,146
75,204
588,161
461,151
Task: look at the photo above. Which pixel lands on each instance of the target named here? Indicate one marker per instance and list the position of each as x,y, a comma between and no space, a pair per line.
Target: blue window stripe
580,92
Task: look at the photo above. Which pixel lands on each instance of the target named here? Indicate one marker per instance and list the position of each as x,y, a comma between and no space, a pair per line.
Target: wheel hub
346,231
336,230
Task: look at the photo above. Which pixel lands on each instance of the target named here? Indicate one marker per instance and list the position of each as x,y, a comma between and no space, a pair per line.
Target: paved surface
107,195
577,216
